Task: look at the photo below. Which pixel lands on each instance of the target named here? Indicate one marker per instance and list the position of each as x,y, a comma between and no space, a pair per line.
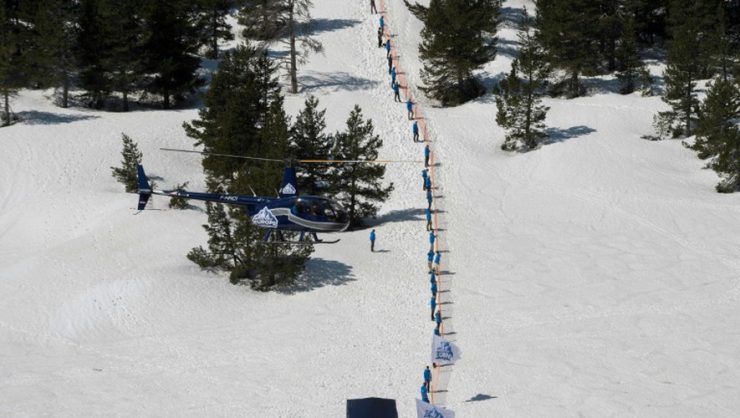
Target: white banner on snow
443,351
427,410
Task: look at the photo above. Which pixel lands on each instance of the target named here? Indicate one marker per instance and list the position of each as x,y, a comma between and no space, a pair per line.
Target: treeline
109,48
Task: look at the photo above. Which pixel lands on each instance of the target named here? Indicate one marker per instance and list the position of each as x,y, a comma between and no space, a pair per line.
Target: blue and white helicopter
307,215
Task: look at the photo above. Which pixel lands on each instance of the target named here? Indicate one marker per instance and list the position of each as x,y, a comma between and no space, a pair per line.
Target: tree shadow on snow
401,215
481,397
511,17
561,135
329,25
319,273
34,117
335,82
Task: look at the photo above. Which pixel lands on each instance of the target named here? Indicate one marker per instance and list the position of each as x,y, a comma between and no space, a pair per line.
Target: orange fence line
419,117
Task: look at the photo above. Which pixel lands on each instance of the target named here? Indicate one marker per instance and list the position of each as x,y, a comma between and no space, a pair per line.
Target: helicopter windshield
319,208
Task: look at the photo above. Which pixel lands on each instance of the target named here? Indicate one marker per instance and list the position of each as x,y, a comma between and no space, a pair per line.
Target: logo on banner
265,219
444,351
433,413
288,189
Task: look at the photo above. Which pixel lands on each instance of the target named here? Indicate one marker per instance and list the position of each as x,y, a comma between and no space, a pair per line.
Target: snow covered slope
596,276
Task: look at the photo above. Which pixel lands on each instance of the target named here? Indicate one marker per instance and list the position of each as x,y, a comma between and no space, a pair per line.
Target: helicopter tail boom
145,187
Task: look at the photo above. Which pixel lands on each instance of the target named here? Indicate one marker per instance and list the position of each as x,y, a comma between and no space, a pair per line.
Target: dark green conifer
309,141
718,115
358,187
131,157
94,42
632,72
213,25
519,108
458,37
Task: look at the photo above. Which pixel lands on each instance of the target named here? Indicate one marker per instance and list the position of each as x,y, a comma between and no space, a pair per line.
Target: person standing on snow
372,241
373,9
430,259
424,175
393,76
396,92
427,153
428,183
390,64
427,378
429,220
388,47
432,237
437,258
433,305
424,394
382,24
380,38
410,108
438,318
434,289
415,130
429,199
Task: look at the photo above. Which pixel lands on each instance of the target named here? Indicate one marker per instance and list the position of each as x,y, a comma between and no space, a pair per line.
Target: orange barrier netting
419,117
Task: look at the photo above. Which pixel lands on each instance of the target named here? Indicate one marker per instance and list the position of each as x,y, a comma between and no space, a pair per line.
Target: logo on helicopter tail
265,219
288,189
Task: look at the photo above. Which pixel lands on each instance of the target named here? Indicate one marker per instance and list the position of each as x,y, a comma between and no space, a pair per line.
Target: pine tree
261,19
519,105
567,31
123,58
457,38
177,202
169,51
309,141
727,162
131,157
12,60
221,252
93,42
55,51
718,117
358,187
212,22
632,73
687,60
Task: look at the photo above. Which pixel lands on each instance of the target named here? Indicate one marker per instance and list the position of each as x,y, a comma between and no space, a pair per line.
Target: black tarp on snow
371,408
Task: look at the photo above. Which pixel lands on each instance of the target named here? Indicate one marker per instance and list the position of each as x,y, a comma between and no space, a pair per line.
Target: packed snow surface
596,276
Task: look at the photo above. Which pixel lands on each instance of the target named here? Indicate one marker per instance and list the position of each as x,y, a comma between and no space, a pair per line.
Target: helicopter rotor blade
222,155
302,161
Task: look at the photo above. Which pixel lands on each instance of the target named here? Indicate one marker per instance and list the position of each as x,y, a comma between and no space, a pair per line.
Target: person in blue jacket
437,258
438,318
429,199
415,130
372,240
432,277
410,108
427,153
396,92
434,289
390,64
433,305
432,237
424,175
427,378
424,394
430,259
393,76
382,23
429,220
388,47
437,332
428,182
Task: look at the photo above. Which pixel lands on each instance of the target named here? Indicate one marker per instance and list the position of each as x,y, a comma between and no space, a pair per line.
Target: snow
596,276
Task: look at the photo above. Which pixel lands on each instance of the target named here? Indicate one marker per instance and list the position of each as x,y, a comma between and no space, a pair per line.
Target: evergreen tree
261,19
212,22
221,252
123,58
12,60
727,162
567,31
457,38
358,187
93,42
297,20
131,157
177,202
632,73
309,141
519,106
169,51
687,60
55,51
718,115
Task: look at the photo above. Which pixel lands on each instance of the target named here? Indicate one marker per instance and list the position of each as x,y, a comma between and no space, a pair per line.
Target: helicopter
289,211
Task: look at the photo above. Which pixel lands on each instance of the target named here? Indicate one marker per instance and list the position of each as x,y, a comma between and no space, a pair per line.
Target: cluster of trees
109,46
243,115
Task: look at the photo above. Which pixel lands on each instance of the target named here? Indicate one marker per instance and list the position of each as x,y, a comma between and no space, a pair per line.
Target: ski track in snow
596,276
